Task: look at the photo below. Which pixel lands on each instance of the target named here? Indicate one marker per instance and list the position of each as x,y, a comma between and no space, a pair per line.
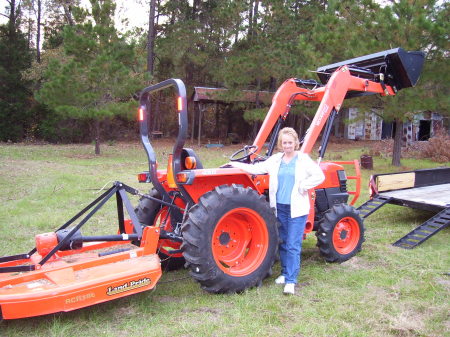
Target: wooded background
67,74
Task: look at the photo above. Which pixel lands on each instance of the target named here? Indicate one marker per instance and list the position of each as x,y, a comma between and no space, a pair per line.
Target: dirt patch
360,263
213,311
125,311
166,299
80,156
445,282
408,324
356,263
382,294
206,313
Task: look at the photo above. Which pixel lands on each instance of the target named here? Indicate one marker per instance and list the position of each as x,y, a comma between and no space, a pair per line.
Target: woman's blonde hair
290,132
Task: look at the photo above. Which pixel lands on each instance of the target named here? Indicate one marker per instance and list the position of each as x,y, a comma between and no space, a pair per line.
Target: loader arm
381,73
330,97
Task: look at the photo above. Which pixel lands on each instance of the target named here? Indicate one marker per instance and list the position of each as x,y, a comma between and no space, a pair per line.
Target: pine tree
415,25
15,57
95,78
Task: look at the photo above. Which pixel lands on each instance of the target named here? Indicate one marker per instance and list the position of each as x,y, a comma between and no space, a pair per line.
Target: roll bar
144,112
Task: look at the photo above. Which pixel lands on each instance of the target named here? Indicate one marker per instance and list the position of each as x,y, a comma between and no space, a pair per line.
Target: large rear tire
230,239
152,213
340,234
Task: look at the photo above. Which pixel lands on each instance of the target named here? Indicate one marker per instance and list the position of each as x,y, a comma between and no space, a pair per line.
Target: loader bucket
401,69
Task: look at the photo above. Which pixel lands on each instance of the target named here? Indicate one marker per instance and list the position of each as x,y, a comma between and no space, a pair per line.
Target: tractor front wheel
340,233
230,239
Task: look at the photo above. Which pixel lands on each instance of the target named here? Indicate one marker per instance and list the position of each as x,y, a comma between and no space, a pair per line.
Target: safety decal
322,113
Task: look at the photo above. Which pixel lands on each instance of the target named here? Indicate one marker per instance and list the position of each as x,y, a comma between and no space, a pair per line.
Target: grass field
383,291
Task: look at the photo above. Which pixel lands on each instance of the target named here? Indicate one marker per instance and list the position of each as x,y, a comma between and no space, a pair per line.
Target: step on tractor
215,221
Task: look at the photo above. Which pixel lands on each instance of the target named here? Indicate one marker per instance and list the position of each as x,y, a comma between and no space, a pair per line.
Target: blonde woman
291,175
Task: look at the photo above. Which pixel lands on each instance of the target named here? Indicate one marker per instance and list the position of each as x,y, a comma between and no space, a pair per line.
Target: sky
136,11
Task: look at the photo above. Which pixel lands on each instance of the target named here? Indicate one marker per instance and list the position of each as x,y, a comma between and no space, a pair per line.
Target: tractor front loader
216,221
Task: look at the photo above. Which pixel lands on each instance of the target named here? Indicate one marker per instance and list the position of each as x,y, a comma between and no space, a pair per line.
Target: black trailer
427,189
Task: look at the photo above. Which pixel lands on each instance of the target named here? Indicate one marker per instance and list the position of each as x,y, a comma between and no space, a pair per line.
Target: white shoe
289,289
280,280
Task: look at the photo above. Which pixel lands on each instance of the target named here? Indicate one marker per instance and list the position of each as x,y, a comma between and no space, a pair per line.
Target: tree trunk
12,19
195,7
156,114
97,137
257,105
67,7
396,153
151,38
217,116
29,37
273,84
301,127
38,32
250,20
255,17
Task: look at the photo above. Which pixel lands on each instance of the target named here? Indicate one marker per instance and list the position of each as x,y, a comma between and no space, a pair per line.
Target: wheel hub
224,238
343,234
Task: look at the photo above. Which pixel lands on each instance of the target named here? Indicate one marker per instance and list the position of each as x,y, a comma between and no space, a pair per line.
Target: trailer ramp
372,205
425,230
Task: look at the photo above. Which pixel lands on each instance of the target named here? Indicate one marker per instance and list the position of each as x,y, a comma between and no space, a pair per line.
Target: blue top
286,180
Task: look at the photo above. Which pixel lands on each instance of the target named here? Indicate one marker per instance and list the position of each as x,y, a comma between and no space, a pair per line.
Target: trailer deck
427,189
427,197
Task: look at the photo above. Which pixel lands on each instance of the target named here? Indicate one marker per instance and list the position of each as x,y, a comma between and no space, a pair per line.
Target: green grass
383,291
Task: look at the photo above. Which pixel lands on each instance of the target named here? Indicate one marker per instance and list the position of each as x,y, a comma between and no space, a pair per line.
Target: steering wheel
247,150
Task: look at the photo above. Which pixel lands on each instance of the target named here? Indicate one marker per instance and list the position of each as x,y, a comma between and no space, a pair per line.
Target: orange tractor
217,222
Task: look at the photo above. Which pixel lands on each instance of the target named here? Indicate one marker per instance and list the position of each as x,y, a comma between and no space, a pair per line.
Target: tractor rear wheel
152,213
230,239
340,234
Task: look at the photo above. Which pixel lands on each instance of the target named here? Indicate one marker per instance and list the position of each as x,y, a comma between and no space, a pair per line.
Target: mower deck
76,279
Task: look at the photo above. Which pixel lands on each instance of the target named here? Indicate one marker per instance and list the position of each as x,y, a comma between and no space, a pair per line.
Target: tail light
144,177
182,177
186,177
141,114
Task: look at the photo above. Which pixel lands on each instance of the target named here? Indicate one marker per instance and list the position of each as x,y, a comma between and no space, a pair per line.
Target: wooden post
193,121
200,111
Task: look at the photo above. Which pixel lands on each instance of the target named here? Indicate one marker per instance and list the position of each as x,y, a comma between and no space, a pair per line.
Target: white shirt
308,174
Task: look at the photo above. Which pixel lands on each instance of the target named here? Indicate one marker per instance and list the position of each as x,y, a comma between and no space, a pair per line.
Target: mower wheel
230,239
340,233
150,213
